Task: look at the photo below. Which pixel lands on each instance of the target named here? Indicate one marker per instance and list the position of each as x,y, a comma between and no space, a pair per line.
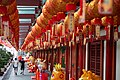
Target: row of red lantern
50,8
10,12
8,9
6,2
90,8
54,29
37,30
96,22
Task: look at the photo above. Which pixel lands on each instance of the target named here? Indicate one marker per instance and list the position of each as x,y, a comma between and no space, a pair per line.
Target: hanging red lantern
33,32
46,13
61,28
108,22
97,22
30,37
86,29
6,2
3,10
54,26
14,15
15,22
38,21
60,15
48,33
92,9
43,19
49,6
11,8
38,30
70,8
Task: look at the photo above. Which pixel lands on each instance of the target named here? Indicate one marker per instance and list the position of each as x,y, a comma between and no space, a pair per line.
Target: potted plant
1,67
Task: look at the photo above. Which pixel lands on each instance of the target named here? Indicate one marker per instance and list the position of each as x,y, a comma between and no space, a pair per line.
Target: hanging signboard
6,29
82,11
71,22
97,31
116,33
1,27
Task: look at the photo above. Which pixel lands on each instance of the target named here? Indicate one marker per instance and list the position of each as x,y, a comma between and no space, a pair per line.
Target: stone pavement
11,76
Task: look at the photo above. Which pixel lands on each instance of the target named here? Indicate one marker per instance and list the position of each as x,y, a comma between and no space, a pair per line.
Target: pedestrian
22,66
15,66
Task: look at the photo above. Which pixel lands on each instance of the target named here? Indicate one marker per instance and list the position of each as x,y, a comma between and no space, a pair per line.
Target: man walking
22,65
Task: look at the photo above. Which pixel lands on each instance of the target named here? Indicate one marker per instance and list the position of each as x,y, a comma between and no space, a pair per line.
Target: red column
109,52
77,61
71,60
67,62
81,57
114,62
58,55
47,59
52,63
41,54
44,54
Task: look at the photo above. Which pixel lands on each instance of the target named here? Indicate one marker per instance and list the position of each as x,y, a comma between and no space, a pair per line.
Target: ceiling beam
29,2
24,16
25,24
27,16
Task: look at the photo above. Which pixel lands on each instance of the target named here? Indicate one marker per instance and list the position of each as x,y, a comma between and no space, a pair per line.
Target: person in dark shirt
22,65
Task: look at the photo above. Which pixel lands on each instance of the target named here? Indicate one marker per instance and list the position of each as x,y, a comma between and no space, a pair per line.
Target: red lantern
70,7
71,26
97,22
86,29
14,15
3,10
11,8
108,22
60,15
46,13
38,21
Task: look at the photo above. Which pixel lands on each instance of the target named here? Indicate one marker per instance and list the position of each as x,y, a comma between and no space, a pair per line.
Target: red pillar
67,62
114,62
51,61
58,55
44,54
77,61
71,60
109,52
81,57
47,59
41,54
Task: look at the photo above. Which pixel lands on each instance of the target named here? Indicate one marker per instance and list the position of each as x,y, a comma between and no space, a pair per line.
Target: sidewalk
11,76
6,73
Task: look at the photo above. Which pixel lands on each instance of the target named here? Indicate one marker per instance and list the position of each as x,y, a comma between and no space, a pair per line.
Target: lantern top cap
70,6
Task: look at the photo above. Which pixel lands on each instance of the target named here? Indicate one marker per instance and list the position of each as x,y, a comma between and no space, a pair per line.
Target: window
96,57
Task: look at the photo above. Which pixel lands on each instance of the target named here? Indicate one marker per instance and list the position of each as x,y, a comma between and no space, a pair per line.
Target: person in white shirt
15,66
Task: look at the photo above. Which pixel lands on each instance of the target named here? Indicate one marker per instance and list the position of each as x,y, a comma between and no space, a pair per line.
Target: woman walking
15,66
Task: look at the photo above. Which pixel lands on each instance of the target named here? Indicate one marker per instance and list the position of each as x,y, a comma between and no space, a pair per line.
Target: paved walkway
11,76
